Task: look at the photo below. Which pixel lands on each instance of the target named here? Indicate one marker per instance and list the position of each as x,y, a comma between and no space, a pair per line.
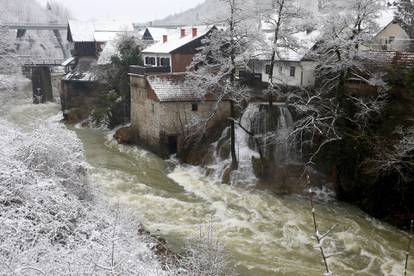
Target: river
265,233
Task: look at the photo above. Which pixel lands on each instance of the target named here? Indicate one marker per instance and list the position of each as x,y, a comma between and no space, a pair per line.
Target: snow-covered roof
80,76
304,41
108,52
68,61
172,88
158,33
82,30
175,40
101,31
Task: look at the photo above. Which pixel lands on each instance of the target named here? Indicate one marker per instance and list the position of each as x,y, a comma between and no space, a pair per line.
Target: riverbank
53,220
264,233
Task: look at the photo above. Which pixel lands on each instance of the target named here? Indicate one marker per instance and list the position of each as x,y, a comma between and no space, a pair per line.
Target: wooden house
176,51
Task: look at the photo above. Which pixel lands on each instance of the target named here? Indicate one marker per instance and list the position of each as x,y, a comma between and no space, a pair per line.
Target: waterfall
283,151
245,149
271,129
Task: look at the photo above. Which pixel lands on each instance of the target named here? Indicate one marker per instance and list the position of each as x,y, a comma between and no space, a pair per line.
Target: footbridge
35,26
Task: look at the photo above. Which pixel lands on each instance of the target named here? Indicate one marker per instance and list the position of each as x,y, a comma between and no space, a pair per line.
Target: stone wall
77,99
153,121
145,119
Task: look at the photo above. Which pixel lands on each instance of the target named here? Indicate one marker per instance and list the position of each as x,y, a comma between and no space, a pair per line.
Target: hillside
212,10
35,43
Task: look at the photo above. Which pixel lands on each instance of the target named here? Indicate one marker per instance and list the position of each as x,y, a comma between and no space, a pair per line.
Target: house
292,67
88,40
163,108
155,34
392,36
176,51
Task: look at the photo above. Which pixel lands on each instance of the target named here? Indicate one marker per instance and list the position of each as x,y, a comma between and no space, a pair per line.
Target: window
292,71
391,39
150,61
153,108
268,69
165,62
194,107
280,69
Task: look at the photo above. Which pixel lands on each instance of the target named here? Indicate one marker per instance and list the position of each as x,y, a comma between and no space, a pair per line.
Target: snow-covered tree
213,71
405,12
8,58
328,110
283,19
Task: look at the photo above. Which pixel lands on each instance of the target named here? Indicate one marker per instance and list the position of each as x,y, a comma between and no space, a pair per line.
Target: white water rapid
265,234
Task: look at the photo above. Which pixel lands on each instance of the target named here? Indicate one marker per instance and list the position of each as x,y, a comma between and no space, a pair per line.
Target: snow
304,40
176,41
172,88
80,76
81,30
108,52
51,222
158,33
68,61
101,31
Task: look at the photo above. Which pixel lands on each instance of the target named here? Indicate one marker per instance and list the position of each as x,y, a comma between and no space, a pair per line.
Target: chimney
164,38
195,32
182,33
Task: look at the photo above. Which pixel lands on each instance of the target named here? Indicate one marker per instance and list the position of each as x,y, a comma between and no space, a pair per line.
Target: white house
392,36
291,68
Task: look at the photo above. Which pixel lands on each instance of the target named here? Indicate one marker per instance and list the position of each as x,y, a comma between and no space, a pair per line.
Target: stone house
163,108
176,50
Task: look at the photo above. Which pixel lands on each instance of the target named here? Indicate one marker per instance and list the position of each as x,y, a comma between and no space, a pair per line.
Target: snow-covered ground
52,221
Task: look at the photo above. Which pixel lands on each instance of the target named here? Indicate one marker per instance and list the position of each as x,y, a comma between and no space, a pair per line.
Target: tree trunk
234,162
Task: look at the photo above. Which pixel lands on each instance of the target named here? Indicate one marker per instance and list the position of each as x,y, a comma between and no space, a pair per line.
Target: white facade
392,38
289,73
157,60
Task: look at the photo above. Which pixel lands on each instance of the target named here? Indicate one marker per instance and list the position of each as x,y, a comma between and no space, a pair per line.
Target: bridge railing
34,26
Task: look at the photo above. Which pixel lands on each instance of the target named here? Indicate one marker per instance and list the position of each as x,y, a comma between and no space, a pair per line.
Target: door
172,144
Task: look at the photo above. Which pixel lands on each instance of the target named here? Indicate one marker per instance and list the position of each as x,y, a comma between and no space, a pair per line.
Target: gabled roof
172,88
81,31
386,17
157,33
175,41
100,31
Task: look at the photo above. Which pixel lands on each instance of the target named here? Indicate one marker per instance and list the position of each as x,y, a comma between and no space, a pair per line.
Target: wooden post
42,84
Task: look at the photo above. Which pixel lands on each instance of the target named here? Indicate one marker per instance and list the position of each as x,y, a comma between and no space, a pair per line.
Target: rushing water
265,234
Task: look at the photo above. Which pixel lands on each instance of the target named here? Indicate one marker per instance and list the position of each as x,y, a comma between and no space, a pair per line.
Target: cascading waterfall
245,151
271,134
283,151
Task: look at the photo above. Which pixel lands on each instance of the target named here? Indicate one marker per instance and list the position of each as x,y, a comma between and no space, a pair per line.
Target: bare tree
283,20
214,70
394,158
326,109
